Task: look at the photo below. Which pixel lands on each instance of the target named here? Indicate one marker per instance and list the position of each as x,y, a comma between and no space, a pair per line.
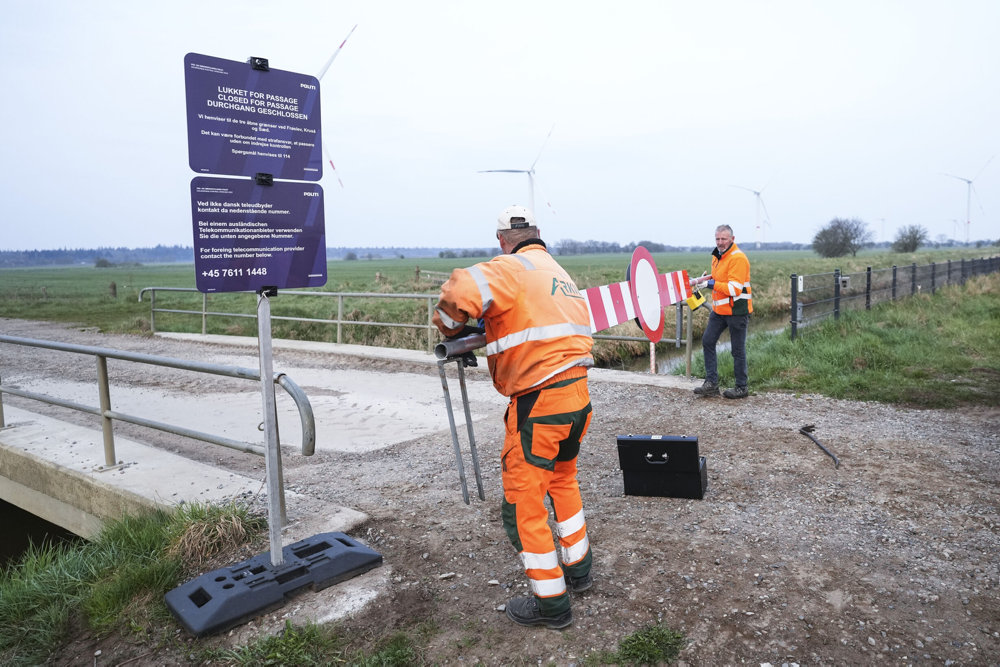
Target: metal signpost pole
272,463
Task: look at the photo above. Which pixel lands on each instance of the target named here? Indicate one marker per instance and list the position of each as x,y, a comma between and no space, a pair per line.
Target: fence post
836,294
868,288
3,424
340,316
105,397
893,282
913,279
795,305
961,278
430,325
933,277
152,311
947,280
680,325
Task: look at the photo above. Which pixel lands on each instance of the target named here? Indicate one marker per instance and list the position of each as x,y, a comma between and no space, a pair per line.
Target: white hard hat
515,217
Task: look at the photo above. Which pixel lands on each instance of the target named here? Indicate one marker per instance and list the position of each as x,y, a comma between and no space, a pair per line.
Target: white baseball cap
515,217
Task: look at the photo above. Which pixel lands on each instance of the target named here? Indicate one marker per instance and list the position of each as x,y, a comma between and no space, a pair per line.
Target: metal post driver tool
457,351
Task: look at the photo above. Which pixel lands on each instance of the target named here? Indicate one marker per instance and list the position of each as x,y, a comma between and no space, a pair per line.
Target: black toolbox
662,465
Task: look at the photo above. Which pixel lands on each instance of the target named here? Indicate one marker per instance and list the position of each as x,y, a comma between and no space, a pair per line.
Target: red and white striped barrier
643,296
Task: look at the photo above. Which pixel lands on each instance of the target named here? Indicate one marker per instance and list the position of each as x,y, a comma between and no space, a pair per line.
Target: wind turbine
319,77
530,171
758,208
969,187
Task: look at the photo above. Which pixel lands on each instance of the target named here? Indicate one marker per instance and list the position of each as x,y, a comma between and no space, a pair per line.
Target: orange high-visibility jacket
537,322
731,292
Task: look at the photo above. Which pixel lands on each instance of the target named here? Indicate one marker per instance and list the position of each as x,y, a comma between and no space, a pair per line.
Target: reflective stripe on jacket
731,292
537,322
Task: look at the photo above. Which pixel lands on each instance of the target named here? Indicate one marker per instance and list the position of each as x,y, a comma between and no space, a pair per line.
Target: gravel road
890,558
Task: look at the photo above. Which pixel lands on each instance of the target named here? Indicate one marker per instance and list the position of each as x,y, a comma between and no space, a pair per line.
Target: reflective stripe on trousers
543,433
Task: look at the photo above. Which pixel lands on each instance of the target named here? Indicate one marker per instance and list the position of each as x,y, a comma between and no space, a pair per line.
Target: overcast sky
664,116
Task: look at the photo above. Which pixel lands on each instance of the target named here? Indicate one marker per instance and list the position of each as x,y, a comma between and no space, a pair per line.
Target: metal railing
433,335
339,321
817,296
108,415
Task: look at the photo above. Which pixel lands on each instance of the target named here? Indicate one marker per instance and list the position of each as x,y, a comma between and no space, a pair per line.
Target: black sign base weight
224,598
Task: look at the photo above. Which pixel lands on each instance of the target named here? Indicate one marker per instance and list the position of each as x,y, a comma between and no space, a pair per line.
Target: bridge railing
108,415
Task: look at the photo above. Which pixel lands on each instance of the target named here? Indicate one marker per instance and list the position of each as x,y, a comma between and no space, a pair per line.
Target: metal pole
272,463
652,358
340,316
3,424
430,325
868,288
913,279
893,282
933,277
688,342
795,304
836,294
152,311
468,426
107,426
204,313
680,323
454,432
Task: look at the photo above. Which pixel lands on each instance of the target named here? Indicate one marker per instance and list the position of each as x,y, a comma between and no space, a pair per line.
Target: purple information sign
249,236
242,121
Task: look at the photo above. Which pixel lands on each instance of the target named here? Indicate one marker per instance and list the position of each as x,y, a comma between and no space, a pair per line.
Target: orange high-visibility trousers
543,433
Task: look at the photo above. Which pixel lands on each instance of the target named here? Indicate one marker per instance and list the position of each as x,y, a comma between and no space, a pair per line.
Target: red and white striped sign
637,298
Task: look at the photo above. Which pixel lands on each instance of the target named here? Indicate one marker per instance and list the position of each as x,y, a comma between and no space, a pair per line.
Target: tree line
846,236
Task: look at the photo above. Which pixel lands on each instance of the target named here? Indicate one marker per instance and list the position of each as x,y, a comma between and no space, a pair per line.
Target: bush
909,238
841,237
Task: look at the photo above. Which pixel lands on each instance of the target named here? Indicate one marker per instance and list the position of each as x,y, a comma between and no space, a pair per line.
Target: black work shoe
707,389
579,584
524,611
736,392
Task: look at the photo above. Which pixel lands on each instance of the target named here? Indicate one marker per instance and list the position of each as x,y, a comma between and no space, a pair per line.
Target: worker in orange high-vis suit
538,349
731,308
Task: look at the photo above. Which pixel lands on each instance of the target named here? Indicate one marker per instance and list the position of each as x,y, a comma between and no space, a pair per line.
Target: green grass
82,295
115,582
652,645
924,351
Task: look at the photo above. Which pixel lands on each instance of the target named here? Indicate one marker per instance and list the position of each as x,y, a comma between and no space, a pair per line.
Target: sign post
265,231
272,453
259,234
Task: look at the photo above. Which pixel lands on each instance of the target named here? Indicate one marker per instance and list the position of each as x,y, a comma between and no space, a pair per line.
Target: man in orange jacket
731,308
538,349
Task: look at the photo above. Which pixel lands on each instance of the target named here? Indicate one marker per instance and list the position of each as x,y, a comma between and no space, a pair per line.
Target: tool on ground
457,350
807,431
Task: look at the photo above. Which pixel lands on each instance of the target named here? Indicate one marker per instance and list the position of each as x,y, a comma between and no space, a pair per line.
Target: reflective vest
537,322
731,292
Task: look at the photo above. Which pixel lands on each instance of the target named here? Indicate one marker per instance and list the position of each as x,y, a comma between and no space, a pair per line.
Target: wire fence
817,296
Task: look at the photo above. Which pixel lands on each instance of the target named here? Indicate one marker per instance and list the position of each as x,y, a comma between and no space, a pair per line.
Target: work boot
735,392
579,584
707,389
525,611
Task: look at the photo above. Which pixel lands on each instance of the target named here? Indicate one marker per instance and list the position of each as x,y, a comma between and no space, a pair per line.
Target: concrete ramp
52,469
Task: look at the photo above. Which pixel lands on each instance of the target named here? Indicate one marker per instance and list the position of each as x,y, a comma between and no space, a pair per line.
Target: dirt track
890,558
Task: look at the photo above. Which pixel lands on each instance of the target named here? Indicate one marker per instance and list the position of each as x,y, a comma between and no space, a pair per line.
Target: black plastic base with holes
224,598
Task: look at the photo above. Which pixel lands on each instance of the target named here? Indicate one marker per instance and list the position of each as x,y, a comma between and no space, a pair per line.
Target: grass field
108,298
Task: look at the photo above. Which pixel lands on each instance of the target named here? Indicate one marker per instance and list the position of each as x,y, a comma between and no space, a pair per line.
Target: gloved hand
469,358
711,282
468,330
